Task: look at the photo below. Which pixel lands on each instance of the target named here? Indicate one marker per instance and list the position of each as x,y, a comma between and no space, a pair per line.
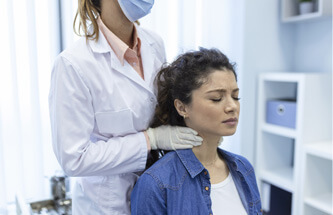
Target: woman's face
214,110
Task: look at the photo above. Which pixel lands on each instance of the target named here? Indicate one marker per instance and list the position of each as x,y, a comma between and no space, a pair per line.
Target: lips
231,121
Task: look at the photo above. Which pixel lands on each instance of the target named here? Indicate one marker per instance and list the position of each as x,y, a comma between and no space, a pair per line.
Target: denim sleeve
147,197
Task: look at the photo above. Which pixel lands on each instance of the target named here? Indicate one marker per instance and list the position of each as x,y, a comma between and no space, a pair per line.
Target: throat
210,163
206,153
210,158
218,172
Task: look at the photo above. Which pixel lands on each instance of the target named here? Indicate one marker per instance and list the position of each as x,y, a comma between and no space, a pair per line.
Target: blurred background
260,36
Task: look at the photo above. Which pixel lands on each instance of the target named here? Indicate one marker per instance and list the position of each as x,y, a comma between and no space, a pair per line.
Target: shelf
322,202
290,76
280,177
290,11
303,17
320,149
279,130
318,181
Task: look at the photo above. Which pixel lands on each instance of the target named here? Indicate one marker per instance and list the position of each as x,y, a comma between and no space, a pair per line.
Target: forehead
220,79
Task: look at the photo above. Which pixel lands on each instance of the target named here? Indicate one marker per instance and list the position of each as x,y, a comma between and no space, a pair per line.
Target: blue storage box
281,112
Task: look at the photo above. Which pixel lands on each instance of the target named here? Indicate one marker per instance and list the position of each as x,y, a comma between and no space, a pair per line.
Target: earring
184,116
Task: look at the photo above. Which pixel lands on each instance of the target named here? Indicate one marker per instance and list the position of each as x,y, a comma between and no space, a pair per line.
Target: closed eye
216,100
236,98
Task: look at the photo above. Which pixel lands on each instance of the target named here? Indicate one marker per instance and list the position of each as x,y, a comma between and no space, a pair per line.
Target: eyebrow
222,90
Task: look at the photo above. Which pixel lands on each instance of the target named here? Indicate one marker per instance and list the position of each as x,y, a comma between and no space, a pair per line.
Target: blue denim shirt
179,184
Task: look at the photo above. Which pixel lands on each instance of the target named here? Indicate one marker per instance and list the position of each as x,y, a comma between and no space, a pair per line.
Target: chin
215,134
228,133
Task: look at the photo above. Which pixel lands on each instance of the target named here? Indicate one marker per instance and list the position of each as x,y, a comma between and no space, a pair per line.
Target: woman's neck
207,151
208,155
115,20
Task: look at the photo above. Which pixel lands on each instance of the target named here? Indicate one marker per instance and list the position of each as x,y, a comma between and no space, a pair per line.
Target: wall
313,46
269,46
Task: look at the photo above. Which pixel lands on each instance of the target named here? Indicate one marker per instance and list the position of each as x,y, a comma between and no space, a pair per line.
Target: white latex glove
168,137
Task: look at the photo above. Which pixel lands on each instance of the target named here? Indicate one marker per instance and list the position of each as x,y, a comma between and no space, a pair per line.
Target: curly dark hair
179,79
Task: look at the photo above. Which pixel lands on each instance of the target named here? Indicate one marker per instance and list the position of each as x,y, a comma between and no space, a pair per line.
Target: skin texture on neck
207,151
207,154
114,19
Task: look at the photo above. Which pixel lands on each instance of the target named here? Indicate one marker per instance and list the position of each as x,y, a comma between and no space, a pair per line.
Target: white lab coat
98,110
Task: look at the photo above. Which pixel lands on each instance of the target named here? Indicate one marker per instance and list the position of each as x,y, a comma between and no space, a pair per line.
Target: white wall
313,46
270,45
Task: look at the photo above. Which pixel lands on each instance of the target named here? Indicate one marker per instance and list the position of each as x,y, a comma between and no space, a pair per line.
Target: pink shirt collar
117,45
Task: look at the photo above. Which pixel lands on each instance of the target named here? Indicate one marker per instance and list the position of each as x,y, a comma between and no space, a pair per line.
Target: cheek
213,113
206,113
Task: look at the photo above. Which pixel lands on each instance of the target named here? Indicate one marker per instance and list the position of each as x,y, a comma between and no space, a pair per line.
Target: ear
180,107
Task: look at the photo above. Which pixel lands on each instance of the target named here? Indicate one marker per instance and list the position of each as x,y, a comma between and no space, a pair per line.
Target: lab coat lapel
102,47
127,70
148,57
148,63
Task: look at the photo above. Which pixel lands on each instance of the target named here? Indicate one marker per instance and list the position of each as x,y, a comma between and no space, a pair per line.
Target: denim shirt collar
190,162
194,166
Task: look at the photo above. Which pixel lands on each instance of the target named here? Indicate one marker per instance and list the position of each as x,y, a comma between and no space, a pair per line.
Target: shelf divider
303,17
320,149
322,202
279,130
281,177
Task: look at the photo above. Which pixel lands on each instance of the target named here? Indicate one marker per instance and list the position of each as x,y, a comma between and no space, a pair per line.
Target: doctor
102,99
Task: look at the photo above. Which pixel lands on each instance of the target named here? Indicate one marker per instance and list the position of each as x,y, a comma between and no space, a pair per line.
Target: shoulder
149,194
163,171
79,58
163,165
76,52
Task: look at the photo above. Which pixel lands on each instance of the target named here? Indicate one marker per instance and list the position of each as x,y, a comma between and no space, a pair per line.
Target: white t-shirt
225,198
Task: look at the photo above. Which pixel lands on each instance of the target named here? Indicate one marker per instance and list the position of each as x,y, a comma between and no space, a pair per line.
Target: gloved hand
168,137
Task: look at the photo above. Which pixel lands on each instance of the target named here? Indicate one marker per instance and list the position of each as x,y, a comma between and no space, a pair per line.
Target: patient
198,90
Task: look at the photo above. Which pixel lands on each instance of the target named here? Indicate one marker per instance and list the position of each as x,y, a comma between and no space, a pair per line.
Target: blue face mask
136,9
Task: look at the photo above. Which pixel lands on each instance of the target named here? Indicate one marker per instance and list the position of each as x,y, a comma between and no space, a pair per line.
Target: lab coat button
151,99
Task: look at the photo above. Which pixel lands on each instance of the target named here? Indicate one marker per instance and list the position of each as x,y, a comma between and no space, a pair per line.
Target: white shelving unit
290,11
317,178
298,161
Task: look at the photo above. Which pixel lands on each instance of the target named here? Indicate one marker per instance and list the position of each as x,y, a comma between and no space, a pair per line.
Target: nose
231,105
